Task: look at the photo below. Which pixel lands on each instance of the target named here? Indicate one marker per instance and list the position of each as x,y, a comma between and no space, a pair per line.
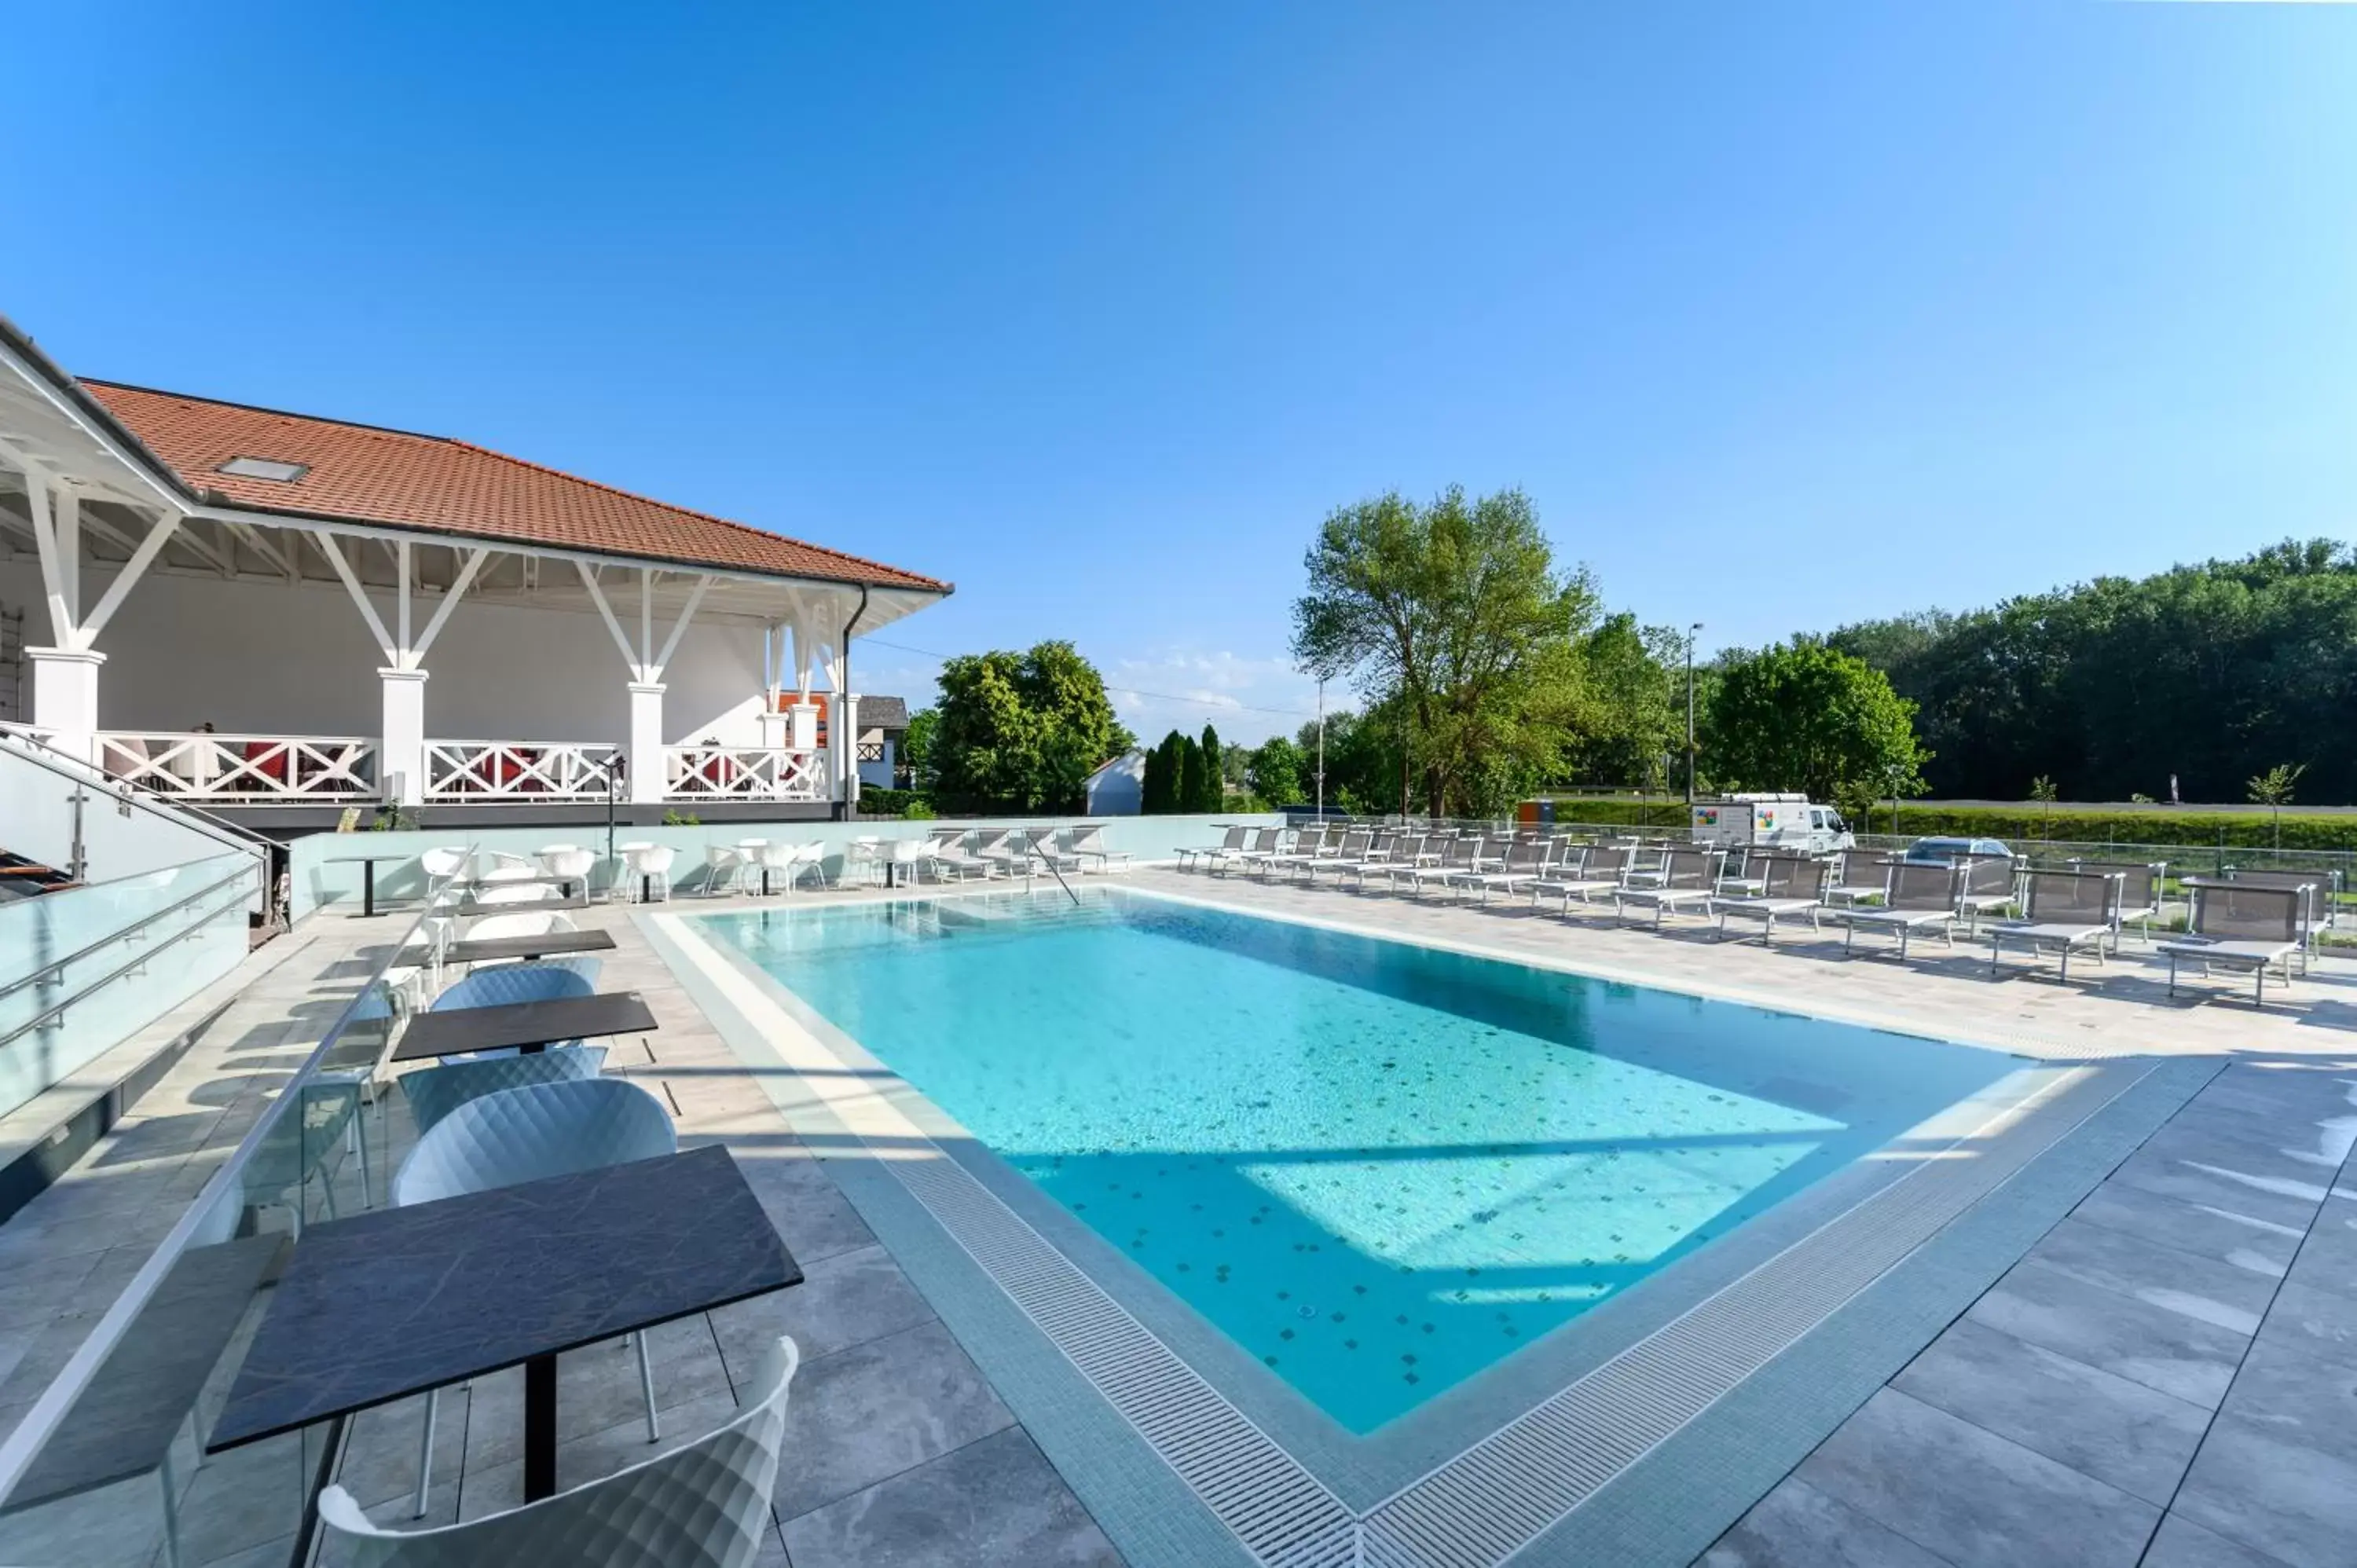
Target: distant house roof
362,473
884,713
1134,754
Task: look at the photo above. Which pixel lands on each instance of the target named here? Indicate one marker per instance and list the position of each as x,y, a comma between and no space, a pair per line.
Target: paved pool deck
2165,1376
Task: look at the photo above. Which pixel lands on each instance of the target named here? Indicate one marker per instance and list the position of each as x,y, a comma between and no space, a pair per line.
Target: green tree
1274,773
2273,789
2042,790
1805,716
1192,769
1454,617
2210,673
1021,732
1637,724
917,748
1213,784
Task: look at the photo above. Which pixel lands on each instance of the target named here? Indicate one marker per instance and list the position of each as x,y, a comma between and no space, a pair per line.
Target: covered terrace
244,608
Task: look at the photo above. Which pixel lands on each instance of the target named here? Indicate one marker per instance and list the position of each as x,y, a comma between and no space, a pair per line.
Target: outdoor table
473,907
488,948
531,1026
367,863
394,1302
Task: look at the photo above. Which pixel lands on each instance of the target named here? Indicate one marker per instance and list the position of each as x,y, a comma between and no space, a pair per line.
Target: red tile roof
358,473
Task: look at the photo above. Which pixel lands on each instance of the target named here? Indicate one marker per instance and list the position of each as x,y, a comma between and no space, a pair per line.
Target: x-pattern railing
206,766
751,773
517,769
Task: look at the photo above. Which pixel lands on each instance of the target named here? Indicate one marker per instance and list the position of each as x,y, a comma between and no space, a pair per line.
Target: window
266,468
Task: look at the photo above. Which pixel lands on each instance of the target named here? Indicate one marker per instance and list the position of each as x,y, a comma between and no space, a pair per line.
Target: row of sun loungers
2258,923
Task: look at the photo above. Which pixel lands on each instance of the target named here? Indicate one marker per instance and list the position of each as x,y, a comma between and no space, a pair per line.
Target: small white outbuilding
1118,788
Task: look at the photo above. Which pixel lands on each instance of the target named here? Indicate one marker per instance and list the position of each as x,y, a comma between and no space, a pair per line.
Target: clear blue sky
1784,315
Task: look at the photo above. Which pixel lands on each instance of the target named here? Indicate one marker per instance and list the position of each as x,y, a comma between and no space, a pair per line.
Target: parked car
1949,851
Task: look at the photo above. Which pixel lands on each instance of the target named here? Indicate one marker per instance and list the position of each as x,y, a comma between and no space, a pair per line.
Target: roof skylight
266,468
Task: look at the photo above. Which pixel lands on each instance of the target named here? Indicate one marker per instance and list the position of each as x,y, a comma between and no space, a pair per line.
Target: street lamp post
1690,711
1321,748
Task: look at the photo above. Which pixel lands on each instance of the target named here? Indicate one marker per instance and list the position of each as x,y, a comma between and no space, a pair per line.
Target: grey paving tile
2318,1324
2328,1260
2181,1356
875,1410
243,1497
810,1211
2181,1543
2276,1496
121,1524
2292,1204
2161,1276
844,1300
1797,1526
2119,1432
2245,1156
2299,1384
995,1501
2255,1246
2316,1092
598,1389
1971,1497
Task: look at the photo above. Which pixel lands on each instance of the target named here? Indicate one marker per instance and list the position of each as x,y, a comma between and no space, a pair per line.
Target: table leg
891,874
539,1428
368,889
331,1455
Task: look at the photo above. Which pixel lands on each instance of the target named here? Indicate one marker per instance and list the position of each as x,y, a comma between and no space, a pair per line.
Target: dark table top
512,1023
387,1304
383,855
539,946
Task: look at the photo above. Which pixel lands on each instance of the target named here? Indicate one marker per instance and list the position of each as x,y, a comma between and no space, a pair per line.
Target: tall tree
2211,673
1154,790
1363,761
1274,773
1802,715
917,746
1455,612
1022,732
1214,794
1637,726
1192,769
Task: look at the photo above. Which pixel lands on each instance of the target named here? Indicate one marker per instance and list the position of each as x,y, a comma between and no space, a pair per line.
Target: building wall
1118,788
272,659
879,773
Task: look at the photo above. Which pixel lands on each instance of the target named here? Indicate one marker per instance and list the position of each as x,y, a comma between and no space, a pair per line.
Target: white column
646,764
65,698
847,731
402,748
802,728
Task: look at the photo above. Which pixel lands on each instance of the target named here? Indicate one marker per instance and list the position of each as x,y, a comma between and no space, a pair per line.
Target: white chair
569,860
722,862
748,856
703,1506
495,891
509,866
526,1134
493,928
862,860
440,865
776,855
649,867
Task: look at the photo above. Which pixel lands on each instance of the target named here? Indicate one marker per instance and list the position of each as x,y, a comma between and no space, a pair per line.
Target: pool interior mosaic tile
1378,1168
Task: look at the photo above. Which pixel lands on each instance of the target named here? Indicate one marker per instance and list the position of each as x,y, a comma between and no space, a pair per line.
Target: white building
1118,788
282,616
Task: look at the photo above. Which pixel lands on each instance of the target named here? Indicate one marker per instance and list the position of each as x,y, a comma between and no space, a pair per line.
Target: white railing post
647,761
65,699
401,757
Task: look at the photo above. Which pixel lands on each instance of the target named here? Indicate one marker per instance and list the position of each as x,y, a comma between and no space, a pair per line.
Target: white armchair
702,1506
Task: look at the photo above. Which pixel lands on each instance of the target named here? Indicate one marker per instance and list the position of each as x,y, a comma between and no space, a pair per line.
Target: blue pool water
1378,1168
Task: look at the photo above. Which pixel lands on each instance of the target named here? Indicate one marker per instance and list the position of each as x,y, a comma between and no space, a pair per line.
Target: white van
1770,821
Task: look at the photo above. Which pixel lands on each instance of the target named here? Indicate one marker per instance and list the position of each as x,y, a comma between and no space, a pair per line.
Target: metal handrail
119,934
80,772
36,1425
138,961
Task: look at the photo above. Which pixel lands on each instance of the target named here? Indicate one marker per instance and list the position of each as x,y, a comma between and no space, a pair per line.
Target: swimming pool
1380,1169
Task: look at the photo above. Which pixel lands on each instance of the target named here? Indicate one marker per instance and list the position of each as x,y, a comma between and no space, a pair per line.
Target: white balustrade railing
202,765
517,769
743,773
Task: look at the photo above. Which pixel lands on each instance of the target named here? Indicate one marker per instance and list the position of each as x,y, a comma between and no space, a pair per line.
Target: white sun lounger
1790,887
1458,857
1526,862
2239,926
1921,897
1232,842
1689,880
2062,912
1599,868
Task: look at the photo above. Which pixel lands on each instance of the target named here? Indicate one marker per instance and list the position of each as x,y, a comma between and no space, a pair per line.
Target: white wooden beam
646,626
401,603
450,598
334,555
613,624
132,569
44,540
66,518
679,627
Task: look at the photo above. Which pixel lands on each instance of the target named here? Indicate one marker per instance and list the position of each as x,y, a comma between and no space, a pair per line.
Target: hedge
2245,830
